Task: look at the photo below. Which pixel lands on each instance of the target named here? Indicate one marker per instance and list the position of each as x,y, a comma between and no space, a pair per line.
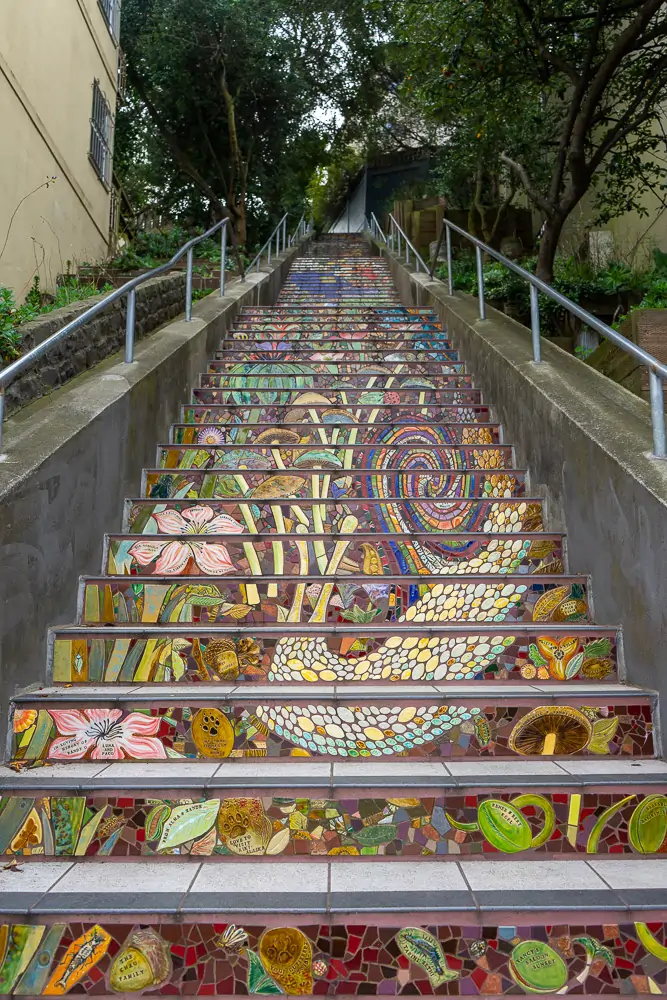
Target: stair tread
198,887
309,773
306,692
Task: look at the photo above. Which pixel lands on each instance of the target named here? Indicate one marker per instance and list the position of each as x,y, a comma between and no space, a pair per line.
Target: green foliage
153,248
579,281
553,98
12,316
232,103
330,185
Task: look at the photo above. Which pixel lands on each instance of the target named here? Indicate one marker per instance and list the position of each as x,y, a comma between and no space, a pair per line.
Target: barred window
101,126
111,11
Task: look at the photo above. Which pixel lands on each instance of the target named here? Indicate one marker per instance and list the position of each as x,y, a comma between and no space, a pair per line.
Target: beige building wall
51,51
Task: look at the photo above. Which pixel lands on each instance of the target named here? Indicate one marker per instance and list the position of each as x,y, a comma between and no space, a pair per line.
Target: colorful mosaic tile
241,653
330,729
456,825
315,958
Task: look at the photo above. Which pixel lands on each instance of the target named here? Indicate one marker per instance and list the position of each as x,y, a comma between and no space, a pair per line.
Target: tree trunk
548,247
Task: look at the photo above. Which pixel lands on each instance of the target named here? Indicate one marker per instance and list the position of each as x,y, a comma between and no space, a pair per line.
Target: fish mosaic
344,958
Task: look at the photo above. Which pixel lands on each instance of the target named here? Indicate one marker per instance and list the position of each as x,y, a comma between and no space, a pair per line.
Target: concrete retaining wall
586,443
158,301
73,457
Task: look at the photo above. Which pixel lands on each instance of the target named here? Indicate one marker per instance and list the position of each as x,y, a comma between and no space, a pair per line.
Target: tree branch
179,154
529,187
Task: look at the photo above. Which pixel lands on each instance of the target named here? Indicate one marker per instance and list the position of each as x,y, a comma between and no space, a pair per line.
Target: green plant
13,316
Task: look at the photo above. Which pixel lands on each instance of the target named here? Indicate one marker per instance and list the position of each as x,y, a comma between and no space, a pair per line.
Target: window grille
101,126
111,11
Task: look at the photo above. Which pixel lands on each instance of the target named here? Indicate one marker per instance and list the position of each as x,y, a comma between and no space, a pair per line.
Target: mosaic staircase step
316,932
425,811
396,311
217,721
162,599
338,458
355,483
260,650
445,554
347,426
384,516
382,413
359,381
278,366
310,351
253,752
339,397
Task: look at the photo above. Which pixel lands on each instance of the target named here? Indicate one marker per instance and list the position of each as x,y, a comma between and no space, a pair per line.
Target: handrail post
130,316
223,260
188,286
278,239
407,252
535,323
284,234
2,412
480,283
268,254
450,269
658,414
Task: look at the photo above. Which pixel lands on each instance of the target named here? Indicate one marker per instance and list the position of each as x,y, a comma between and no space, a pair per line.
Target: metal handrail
279,234
657,370
8,374
376,229
299,231
129,289
395,234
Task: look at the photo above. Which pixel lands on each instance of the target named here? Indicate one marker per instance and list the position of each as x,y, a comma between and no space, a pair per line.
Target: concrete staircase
335,719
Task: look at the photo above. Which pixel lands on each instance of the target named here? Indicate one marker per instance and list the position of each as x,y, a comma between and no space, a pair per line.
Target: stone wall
586,443
158,301
72,458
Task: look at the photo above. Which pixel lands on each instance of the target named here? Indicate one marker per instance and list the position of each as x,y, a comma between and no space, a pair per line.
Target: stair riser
392,652
357,483
317,382
337,397
308,352
372,515
454,555
119,602
363,955
397,312
514,823
338,434
439,729
411,451
383,414
384,369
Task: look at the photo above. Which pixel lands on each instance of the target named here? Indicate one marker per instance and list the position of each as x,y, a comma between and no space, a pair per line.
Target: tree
568,95
232,100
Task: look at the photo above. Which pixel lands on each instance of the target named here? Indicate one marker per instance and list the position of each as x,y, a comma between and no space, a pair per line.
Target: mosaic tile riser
457,825
331,731
436,485
206,959
249,656
540,599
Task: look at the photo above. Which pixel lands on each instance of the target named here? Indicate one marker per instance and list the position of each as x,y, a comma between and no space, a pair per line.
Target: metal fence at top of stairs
278,239
398,242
